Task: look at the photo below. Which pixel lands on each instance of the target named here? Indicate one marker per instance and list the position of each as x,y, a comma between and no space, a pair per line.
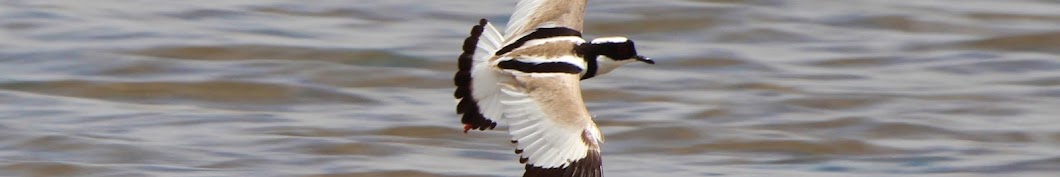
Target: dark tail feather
468,105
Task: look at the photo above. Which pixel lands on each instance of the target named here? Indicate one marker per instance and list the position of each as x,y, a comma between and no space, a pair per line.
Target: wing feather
548,137
533,14
477,80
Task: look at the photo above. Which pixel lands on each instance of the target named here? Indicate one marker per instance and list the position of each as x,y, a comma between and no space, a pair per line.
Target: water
749,88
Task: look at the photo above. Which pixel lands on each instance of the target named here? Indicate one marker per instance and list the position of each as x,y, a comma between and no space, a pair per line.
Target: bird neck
589,52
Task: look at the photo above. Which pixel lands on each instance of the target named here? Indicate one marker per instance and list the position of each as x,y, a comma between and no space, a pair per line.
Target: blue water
331,88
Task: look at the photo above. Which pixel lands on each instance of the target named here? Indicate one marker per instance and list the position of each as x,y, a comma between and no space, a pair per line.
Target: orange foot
467,127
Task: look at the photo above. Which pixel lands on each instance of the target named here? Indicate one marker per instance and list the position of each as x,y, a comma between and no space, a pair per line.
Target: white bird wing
552,129
477,81
532,14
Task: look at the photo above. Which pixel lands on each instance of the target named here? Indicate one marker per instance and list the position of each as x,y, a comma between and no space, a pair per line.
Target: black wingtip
472,118
585,167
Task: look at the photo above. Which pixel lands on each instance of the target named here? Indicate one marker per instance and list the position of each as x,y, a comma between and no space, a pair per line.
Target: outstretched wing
477,94
532,14
552,129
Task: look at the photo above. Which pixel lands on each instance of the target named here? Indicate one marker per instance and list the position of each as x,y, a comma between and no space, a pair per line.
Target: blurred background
363,88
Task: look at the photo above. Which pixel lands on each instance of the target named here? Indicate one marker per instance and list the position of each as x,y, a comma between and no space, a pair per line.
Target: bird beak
644,59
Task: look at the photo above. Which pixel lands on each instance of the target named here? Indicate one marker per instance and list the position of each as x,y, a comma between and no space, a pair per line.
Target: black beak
644,59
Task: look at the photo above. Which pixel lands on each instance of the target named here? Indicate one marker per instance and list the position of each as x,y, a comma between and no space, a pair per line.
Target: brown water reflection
363,88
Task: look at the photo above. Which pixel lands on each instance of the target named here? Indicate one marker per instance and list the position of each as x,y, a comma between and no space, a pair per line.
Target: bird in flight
529,77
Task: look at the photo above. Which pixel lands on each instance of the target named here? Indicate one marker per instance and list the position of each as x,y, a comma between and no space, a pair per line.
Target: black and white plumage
529,77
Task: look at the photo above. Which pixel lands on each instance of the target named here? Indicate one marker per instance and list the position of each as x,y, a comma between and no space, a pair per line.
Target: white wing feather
484,82
519,19
543,141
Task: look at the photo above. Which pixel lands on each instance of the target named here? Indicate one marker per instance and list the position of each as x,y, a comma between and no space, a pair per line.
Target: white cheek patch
607,64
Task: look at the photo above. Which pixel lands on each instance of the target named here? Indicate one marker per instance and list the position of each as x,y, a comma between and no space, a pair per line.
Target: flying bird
529,77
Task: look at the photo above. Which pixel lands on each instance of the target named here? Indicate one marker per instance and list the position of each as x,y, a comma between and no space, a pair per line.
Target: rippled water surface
363,88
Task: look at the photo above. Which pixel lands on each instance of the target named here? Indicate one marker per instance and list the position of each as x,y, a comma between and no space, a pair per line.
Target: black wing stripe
545,67
539,33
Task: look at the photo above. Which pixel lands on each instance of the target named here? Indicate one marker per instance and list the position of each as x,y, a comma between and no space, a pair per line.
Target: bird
530,78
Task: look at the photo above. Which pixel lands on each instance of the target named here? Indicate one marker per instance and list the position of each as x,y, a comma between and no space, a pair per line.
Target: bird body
530,78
